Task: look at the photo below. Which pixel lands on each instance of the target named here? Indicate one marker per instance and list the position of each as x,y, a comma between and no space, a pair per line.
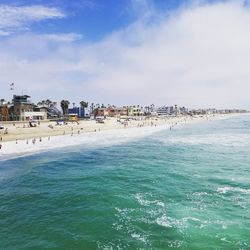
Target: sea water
188,188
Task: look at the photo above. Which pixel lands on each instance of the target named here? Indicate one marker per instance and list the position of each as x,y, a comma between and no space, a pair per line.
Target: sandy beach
22,140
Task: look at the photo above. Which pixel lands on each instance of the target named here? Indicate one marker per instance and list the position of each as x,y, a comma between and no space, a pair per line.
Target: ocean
188,188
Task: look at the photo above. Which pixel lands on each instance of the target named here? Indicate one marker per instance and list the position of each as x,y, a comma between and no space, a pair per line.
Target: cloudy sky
193,53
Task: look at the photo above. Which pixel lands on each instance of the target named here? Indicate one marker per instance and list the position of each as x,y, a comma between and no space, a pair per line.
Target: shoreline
88,133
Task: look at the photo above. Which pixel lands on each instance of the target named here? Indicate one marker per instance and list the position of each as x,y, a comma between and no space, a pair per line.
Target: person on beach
0,146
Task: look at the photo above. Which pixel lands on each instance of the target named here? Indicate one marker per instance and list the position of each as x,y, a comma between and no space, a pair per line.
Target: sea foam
92,139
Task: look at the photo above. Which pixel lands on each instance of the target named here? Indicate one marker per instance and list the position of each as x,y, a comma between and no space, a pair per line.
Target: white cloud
62,37
198,57
16,17
4,33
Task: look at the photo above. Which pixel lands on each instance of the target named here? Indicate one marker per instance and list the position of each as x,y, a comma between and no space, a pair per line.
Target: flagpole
12,89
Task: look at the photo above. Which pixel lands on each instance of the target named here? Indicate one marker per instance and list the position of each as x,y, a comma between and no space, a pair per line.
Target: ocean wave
92,139
175,244
146,202
226,189
139,237
238,140
111,245
165,221
169,222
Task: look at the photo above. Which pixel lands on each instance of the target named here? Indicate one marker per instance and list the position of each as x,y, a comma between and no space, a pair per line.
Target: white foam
164,221
232,140
180,224
226,189
93,139
144,202
139,237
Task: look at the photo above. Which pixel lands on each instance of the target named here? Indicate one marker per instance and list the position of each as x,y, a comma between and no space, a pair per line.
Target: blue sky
191,52
93,19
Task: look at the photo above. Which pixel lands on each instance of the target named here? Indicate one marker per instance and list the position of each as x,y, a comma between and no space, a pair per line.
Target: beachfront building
176,110
168,110
22,110
135,111
4,112
20,105
197,112
171,110
51,110
183,111
101,112
33,115
111,112
79,111
162,111
117,112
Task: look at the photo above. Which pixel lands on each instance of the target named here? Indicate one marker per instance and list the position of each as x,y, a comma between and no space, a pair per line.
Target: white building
33,115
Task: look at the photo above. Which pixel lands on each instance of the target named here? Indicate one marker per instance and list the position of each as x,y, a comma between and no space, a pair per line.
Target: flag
12,86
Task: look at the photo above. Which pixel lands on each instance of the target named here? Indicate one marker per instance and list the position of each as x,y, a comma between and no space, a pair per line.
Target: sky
193,53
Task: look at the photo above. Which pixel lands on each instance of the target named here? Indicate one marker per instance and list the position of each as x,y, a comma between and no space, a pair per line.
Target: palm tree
48,102
92,106
44,103
83,106
65,106
152,107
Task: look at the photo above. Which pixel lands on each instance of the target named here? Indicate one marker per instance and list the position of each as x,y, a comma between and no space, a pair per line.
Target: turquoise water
188,188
